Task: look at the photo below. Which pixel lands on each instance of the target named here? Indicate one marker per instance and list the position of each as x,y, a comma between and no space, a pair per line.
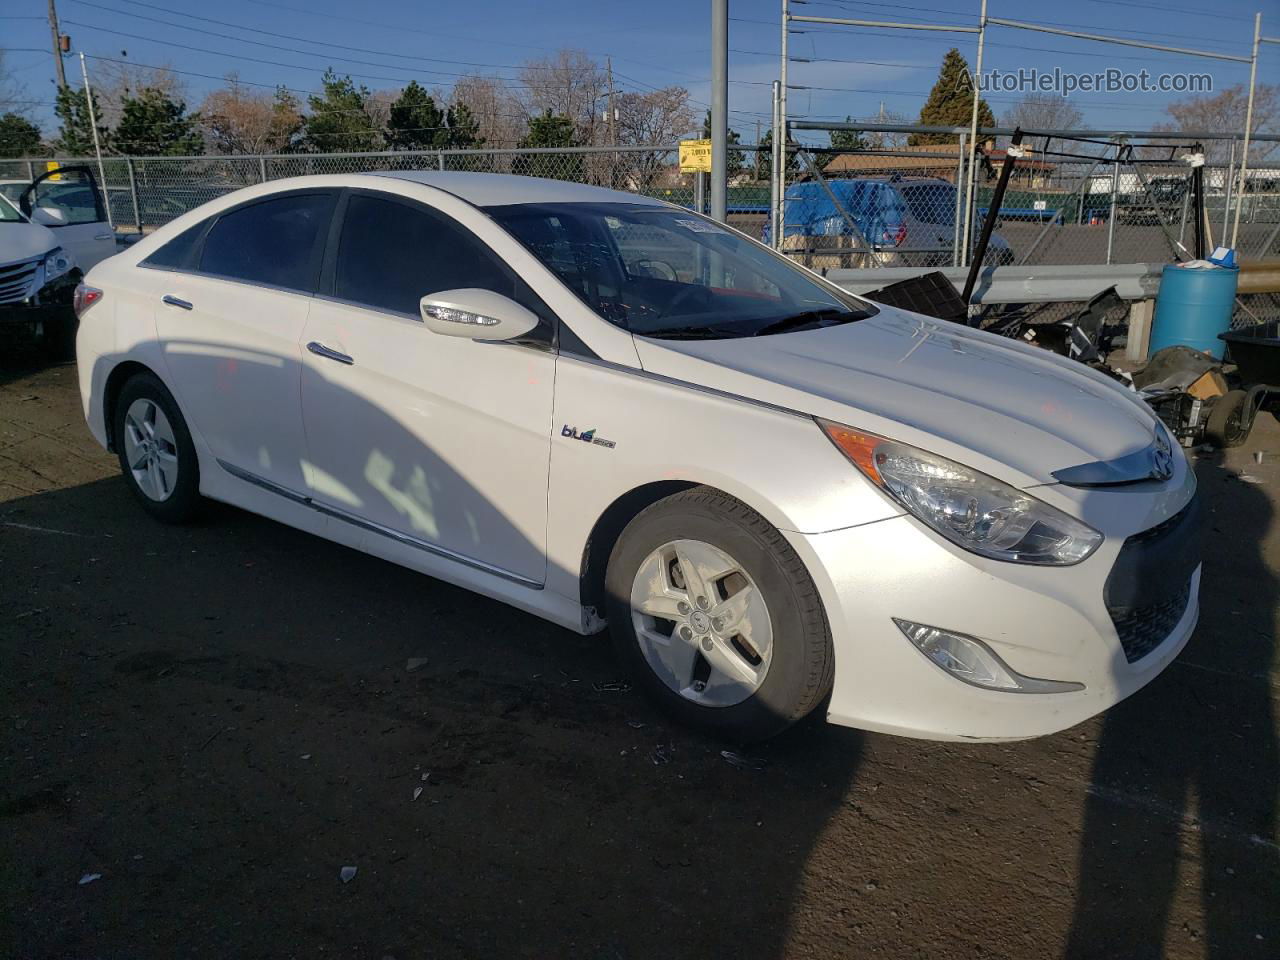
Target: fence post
1111,216
262,168
133,193
1231,180
440,160
955,239
31,171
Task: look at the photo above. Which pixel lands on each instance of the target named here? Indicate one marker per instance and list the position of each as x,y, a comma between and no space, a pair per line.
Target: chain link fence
1106,202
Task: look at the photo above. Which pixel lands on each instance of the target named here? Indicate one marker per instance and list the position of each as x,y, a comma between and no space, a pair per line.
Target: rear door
79,217
230,319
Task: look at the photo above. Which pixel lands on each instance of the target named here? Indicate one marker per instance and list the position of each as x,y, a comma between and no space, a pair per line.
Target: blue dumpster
1194,306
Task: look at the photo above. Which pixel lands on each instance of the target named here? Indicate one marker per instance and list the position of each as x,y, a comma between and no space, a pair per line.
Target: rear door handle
177,302
320,350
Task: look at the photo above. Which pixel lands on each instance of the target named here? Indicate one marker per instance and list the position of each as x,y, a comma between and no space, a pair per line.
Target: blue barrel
1194,306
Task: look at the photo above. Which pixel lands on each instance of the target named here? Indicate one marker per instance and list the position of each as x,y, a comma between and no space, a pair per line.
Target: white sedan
609,411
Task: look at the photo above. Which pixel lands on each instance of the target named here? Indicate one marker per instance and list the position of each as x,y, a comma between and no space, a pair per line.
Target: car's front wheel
716,616
154,447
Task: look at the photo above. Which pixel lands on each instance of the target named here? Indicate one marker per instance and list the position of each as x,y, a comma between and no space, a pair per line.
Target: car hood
24,241
1012,410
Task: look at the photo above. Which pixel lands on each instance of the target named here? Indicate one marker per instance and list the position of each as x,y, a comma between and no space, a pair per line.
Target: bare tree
569,84
13,93
1041,111
240,121
659,117
114,82
1224,112
499,114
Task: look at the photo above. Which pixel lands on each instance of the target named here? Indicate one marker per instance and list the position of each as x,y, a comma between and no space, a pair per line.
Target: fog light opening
970,660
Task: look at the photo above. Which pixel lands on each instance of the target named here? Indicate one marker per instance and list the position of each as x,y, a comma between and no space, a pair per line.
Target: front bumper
1046,622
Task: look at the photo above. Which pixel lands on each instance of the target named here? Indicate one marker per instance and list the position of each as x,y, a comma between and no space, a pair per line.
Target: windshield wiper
807,318
691,333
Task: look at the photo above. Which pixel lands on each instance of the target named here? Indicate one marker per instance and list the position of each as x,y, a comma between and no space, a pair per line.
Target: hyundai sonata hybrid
612,412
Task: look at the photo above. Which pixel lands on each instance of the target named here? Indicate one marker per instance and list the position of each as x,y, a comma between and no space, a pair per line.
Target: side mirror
49,217
475,314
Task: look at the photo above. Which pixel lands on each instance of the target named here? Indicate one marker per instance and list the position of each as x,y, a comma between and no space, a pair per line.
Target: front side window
73,194
661,272
391,255
275,242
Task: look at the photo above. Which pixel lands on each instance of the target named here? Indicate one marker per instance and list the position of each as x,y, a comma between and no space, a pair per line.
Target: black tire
184,503
1226,426
803,663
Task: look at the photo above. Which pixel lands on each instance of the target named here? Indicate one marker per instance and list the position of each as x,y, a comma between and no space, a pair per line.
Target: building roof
496,189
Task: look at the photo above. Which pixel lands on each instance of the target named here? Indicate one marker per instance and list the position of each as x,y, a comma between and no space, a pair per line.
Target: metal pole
1231,179
1111,216
57,47
997,199
775,173
440,159
31,172
955,226
719,108
262,168
780,125
133,193
97,146
1248,124
699,194
973,139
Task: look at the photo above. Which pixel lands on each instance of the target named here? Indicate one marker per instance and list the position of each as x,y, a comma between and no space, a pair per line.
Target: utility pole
719,107
57,46
613,128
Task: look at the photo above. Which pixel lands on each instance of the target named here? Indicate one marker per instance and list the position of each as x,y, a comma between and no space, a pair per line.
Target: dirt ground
218,718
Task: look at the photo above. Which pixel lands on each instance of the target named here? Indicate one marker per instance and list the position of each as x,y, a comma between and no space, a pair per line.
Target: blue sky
652,44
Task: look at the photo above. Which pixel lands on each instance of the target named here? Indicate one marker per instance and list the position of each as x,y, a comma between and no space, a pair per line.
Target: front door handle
105,236
320,350
177,302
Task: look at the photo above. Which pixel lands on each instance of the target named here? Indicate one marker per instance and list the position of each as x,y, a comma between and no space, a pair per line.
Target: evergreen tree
766,157
950,102
75,134
415,122
841,140
19,137
549,130
152,124
338,121
734,161
464,128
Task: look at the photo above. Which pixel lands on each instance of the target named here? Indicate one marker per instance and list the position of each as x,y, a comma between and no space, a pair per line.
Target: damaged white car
606,410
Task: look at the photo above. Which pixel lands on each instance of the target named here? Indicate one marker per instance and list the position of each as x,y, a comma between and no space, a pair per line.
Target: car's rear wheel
154,447
717,617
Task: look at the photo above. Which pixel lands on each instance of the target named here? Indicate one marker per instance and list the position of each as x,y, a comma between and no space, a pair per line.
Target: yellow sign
695,156
53,165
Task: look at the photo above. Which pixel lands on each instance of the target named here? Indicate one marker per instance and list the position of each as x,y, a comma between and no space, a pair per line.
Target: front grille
1149,587
17,281
1142,630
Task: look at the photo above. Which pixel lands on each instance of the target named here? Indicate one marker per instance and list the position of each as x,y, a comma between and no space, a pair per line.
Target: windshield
932,202
669,273
8,212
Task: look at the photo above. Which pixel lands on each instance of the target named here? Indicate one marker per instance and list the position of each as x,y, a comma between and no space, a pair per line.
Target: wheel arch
605,532
120,374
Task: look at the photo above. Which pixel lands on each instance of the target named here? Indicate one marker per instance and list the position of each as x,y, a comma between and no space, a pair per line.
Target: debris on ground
661,754
415,663
89,878
743,762
347,874
417,792
611,686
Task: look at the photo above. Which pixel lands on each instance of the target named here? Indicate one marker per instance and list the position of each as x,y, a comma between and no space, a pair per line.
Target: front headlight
971,509
57,262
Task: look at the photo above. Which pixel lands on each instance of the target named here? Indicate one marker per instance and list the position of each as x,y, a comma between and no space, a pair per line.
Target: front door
442,442
67,201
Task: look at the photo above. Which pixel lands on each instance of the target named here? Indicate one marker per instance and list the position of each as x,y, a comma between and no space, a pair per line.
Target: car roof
498,189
